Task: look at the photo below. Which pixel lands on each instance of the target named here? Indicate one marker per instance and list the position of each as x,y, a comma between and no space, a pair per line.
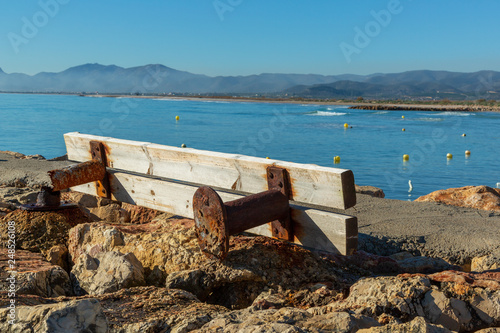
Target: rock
452,313
490,280
112,213
34,276
338,322
85,200
40,231
140,215
370,190
486,263
106,272
73,316
58,255
269,300
162,246
238,284
140,309
101,209
249,320
489,330
417,325
425,265
479,197
374,296
486,304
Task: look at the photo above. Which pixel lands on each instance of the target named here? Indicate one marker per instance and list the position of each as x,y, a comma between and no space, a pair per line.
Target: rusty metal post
77,174
216,221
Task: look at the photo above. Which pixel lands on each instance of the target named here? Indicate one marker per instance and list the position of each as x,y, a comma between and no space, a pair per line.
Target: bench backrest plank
311,184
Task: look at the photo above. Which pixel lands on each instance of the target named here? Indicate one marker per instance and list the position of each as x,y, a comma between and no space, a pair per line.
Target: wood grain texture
311,184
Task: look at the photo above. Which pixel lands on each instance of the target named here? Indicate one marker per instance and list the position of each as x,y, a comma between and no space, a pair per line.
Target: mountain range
159,79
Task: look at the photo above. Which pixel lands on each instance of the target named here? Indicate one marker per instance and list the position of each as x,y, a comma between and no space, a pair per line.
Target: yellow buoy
403,130
267,157
336,159
464,134
346,125
467,152
402,117
177,118
406,157
183,145
449,156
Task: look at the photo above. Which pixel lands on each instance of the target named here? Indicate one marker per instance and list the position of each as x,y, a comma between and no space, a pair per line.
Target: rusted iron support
77,174
99,154
278,179
216,221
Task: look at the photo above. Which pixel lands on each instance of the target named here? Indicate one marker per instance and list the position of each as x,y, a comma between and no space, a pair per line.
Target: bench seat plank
317,229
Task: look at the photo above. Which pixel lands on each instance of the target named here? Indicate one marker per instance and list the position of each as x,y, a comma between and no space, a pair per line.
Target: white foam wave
455,113
381,112
327,114
429,119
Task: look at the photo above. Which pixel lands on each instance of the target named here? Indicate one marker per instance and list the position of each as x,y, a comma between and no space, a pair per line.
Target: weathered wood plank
311,184
314,228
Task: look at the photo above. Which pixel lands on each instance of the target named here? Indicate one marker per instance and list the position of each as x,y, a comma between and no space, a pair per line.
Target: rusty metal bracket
215,220
99,154
278,179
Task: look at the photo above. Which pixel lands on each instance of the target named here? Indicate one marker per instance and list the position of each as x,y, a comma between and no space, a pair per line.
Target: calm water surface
372,148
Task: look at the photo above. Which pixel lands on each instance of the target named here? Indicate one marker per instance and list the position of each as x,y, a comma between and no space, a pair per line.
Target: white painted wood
314,228
311,184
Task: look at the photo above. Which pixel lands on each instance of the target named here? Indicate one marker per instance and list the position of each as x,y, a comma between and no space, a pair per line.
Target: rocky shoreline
106,266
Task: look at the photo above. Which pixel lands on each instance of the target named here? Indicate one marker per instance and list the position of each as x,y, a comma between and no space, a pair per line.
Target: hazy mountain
152,79
161,79
413,84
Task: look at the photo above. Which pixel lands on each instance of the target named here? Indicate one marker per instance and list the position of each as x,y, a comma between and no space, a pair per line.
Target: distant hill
413,84
154,79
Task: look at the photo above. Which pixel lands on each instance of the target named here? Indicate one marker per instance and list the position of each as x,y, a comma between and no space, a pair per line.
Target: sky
244,37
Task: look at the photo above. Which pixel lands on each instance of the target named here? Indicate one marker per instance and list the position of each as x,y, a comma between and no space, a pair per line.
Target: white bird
498,185
411,186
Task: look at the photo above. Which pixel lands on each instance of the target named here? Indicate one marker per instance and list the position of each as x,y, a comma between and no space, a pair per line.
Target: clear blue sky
242,37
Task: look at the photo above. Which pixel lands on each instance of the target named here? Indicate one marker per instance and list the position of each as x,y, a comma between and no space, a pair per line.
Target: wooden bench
165,178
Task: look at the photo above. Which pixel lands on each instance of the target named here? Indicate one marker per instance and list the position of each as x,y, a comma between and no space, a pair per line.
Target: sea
372,144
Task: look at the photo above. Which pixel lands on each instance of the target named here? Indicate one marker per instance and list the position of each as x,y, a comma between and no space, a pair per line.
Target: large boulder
40,231
163,246
106,272
84,315
479,197
34,275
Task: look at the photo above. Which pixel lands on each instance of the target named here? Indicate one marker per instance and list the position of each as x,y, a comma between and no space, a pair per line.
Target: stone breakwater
106,266
423,107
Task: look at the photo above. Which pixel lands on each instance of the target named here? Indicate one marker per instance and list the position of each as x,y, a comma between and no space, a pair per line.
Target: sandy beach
353,105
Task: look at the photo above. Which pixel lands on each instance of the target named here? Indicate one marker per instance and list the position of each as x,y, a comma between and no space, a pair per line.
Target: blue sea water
372,148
